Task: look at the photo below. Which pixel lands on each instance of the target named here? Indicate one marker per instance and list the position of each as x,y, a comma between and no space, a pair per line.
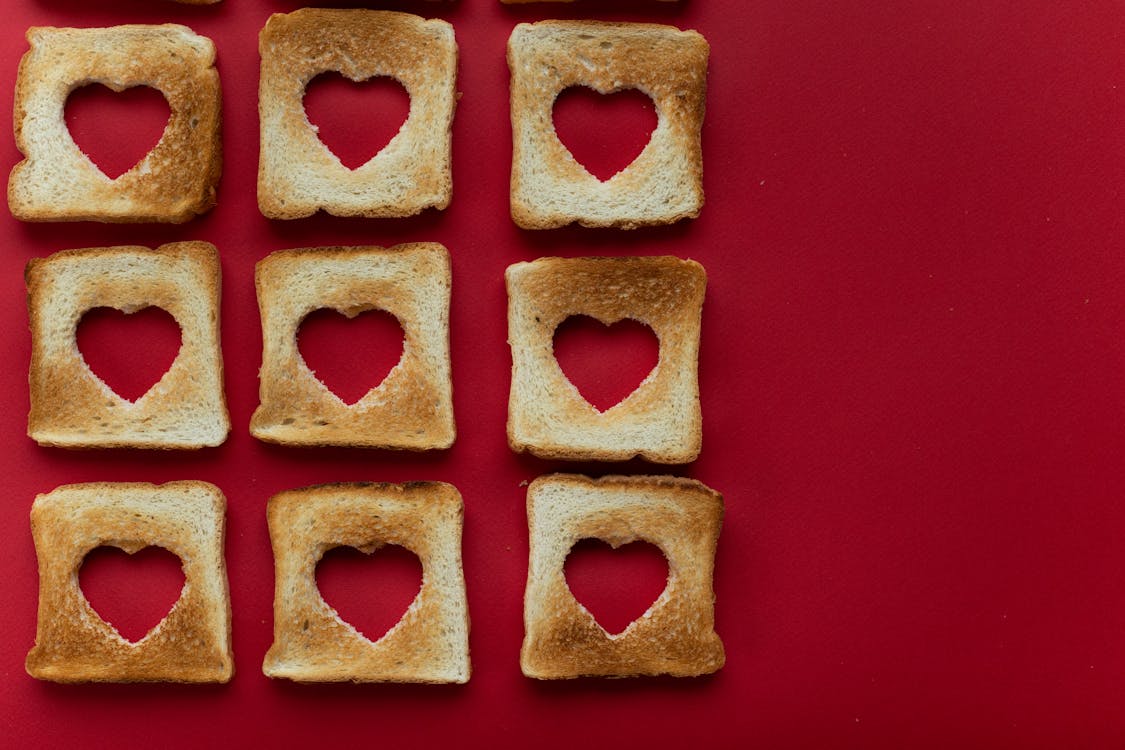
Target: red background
911,376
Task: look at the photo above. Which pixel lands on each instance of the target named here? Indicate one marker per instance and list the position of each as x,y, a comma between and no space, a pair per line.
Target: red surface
912,389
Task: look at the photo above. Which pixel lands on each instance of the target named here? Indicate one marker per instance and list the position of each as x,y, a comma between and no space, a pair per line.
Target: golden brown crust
664,184
311,642
413,407
74,644
70,406
297,174
173,182
676,635
659,421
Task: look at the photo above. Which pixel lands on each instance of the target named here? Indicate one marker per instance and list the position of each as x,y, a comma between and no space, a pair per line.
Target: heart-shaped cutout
356,119
616,585
605,363
604,132
133,593
116,129
130,352
350,355
372,591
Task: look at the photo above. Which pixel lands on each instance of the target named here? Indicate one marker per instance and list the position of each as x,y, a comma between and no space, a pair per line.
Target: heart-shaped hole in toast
370,591
131,592
116,129
605,363
356,119
352,354
616,585
129,351
604,132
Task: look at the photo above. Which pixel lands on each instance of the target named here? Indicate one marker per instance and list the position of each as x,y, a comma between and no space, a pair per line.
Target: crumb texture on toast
70,406
174,182
72,643
299,175
311,642
676,635
413,407
664,184
661,420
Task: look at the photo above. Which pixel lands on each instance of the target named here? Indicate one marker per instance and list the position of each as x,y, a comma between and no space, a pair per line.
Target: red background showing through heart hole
97,116
131,592
356,119
605,363
604,132
350,355
616,585
370,592
129,352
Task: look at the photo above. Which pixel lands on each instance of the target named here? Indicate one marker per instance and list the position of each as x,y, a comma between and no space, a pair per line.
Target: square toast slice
413,407
297,174
174,182
676,635
72,643
311,643
661,420
664,184
70,406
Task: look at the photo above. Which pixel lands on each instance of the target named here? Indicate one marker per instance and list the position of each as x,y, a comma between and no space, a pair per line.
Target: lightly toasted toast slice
412,408
676,635
661,420
70,406
311,643
297,174
72,643
174,182
664,184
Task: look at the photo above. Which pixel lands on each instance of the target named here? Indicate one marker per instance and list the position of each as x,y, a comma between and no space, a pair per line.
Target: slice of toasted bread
547,416
70,406
664,183
413,407
72,643
311,643
297,174
173,182
676,635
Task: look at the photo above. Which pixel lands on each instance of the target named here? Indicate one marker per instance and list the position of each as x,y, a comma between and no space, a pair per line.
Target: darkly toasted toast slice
664,184
70,406
175,181
297,174
311,643
676,635
74,644
413,407
547,416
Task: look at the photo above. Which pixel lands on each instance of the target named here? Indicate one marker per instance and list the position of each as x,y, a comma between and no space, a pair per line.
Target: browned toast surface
74,644
412,408
175,181
311,642
676,635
